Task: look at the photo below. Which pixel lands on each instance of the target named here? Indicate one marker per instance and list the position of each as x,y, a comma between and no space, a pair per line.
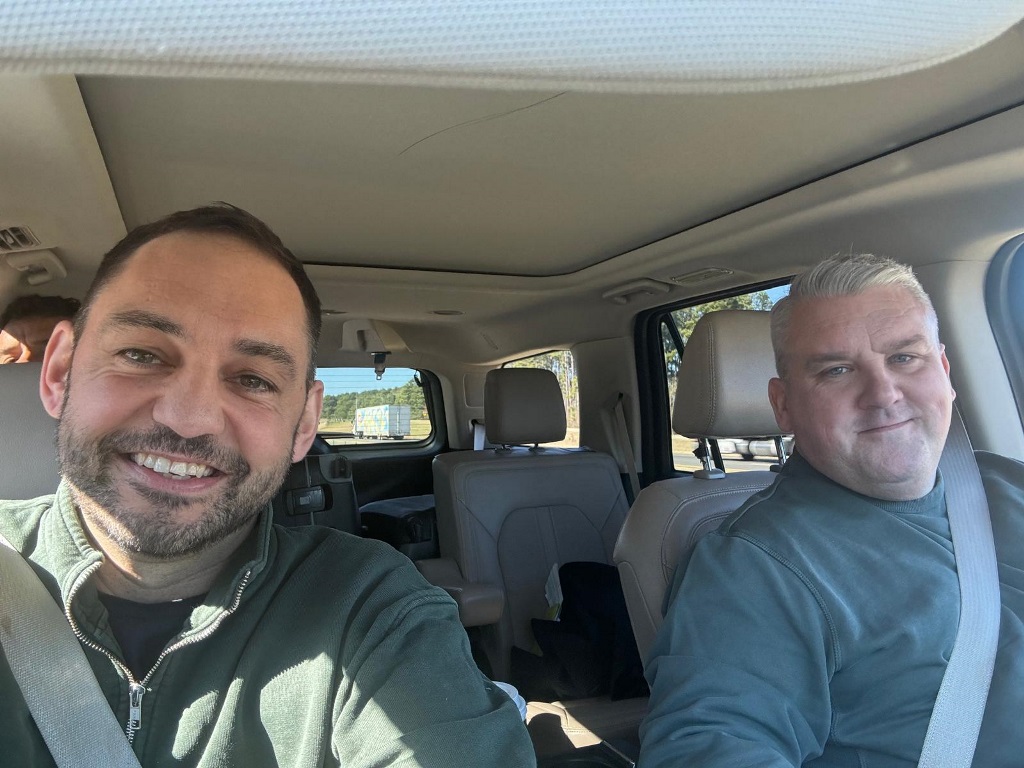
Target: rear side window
562,364
1005,304
675,332
360,409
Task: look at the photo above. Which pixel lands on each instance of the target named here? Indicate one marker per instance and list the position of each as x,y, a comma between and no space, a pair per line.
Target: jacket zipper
137,689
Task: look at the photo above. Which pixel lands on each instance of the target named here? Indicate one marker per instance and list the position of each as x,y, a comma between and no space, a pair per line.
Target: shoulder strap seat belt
59,686
479,435
623,446
960,705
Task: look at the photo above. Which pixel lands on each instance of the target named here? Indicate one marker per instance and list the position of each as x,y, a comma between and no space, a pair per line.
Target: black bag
590,650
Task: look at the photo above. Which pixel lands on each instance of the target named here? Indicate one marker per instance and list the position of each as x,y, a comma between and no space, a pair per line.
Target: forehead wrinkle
141,318
273,352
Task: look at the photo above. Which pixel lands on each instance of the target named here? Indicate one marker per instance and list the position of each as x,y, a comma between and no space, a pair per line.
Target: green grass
420,427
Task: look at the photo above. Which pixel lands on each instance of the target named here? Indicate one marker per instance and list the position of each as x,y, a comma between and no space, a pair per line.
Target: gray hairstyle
846,275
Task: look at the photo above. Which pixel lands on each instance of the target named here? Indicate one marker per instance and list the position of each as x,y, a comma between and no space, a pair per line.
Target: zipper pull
135,692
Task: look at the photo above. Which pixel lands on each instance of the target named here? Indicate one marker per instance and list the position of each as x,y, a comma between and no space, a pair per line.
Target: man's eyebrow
273,352
824,358
918,338
140,318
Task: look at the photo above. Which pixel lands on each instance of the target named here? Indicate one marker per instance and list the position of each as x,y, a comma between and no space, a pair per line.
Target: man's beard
86,465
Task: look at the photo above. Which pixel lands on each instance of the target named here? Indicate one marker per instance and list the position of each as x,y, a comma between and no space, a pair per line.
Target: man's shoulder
345,560
13,505
793,499
354,551
997,467
20,518
367,582
1003,478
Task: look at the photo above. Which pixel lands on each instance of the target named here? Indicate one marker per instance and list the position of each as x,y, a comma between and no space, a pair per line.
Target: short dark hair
34,305
220,218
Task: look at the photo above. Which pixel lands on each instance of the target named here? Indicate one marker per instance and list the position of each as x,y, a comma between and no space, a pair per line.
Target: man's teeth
173,469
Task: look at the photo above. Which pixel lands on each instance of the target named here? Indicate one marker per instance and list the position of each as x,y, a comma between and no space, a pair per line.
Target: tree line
343,407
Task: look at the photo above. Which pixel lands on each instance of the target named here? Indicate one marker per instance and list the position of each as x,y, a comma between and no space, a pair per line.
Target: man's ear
945,366
309,421
53,382
777,397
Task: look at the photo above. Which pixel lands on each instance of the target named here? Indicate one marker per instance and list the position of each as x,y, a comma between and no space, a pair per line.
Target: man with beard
184,390
814,626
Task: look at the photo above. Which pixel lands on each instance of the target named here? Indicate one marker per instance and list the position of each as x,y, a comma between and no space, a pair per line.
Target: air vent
17,239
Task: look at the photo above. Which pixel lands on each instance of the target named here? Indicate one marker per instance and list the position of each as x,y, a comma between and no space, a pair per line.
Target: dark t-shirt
144,629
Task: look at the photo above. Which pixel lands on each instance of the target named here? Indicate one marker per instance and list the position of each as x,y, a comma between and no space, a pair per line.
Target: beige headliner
521,210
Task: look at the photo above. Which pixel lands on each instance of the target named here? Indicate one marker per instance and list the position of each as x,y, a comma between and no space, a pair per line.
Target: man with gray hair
814,626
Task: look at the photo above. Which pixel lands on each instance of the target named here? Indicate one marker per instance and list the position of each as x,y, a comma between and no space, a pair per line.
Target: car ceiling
544,217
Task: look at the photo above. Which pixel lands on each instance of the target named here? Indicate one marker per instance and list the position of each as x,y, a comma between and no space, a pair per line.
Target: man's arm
740,670
416,699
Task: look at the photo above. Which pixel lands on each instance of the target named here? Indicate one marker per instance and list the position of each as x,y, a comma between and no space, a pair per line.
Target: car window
675,332
1005,306
562,364
360,409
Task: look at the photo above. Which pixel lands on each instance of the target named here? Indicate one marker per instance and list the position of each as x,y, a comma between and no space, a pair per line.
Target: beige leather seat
29,465
722,393
505,516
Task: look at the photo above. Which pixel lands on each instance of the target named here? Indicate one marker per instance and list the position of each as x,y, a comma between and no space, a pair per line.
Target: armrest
479,604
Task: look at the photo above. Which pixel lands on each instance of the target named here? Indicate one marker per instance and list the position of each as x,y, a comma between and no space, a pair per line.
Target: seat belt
479,435
960,705
58,684
624,446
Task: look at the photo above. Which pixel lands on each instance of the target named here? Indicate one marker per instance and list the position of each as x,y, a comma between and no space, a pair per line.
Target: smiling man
813,627
184,391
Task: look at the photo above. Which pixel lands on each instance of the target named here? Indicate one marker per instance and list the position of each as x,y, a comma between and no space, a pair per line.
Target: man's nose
191,403
881,388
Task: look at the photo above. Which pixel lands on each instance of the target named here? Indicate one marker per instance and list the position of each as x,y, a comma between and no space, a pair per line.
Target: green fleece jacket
315,648
814,626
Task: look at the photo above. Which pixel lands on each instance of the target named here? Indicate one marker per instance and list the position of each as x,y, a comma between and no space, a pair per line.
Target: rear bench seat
507,515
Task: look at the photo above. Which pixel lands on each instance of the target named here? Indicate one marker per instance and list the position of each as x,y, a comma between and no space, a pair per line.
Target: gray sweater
814,627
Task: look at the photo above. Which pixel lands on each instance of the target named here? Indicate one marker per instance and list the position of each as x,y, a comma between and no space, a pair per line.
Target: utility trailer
380,422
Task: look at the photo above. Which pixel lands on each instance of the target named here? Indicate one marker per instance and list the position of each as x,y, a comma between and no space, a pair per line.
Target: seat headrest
522,406
723,377
29,465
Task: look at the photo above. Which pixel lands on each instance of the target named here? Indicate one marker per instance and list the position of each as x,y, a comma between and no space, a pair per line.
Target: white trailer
383,421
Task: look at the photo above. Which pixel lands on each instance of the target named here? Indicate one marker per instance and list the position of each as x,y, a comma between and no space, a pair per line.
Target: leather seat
507,515
29,465
722,392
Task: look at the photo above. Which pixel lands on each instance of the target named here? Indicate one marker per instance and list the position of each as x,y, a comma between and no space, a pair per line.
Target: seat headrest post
780,449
